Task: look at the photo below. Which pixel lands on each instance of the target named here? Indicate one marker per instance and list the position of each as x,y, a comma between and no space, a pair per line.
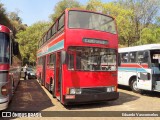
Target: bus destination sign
95,41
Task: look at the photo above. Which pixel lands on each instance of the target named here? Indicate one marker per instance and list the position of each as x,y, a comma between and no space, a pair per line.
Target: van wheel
134,86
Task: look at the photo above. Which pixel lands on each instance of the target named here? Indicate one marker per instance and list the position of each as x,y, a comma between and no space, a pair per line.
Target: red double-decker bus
77,57
9,66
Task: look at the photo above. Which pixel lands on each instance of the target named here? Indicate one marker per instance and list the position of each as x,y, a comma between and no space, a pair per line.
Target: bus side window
49,35
54,30
124,57
142,57
61,23
132,57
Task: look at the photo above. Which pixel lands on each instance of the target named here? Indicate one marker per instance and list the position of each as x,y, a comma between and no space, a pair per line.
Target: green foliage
61,6
143,16
150,35
137,22
3,16
122,15
94,5
123,20
11,20
28,40
133,17
16,22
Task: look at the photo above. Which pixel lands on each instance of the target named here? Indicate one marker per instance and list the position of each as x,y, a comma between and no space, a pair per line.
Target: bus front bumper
88,98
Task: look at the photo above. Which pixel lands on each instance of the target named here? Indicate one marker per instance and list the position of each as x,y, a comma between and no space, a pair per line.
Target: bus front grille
93,90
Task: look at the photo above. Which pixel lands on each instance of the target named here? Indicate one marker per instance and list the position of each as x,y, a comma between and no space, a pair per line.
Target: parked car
30,74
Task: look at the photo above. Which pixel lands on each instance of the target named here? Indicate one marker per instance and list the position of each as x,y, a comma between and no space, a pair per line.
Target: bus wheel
134,86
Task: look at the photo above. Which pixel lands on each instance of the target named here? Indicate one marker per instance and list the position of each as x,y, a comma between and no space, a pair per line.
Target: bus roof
83,10
4,29
139,48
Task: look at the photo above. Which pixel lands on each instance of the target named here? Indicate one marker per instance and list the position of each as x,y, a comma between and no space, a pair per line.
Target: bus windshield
92,59
88,20
4,48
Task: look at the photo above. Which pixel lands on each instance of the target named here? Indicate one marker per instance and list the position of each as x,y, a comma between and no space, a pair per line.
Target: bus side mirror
119,60
63,57
15,48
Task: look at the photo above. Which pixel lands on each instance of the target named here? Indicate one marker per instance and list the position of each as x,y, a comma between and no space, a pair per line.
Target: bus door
43,70
144,80
58,75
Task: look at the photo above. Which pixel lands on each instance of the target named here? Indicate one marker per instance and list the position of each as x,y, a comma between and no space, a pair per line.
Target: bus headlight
72,91
75,91
78,91
110,89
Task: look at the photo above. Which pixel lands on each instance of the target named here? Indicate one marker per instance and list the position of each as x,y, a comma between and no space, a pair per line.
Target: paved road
30,96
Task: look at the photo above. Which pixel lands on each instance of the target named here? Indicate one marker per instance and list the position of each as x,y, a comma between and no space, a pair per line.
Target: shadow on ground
144,93
29,96
123,98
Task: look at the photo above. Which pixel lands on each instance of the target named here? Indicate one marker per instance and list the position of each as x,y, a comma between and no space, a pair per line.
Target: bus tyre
134,86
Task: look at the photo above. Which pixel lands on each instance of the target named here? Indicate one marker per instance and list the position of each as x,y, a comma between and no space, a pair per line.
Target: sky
31,11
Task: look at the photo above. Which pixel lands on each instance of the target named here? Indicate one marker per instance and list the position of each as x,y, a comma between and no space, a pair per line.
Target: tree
94,5
14,17
122,15
61,6
16,22
144,14
11,20
123,19
149,35
28,40
3,16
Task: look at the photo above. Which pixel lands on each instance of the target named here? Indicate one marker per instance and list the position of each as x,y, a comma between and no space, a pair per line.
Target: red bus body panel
4,29
74,38
9,71
83,79
4,67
